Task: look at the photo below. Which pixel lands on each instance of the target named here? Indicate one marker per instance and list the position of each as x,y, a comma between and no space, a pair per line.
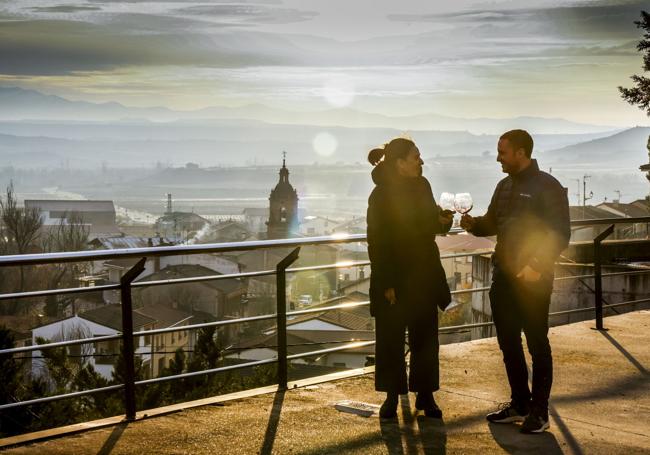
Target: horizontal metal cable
61,397
175,250
59,344
226,247
604,275
78,290
228,349
204,372
340,306
353,345
336,265
198,279
182,328
470,290
597,221
42,293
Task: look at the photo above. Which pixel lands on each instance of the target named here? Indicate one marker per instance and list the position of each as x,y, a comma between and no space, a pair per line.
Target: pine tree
640,94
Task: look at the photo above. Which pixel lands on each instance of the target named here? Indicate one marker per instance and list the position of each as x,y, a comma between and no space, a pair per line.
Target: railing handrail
173,250
230,276
282,357
226,247
623,220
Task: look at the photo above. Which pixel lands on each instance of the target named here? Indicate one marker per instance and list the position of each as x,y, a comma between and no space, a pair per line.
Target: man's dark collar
531,169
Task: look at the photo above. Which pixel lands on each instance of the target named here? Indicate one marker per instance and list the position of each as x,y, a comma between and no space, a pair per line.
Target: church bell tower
283,207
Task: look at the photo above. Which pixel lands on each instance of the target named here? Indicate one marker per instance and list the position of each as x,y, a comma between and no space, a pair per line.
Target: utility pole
619,196
578,193
584,194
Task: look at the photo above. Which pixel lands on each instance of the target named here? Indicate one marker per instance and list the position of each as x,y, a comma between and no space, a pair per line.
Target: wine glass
463,203
447,201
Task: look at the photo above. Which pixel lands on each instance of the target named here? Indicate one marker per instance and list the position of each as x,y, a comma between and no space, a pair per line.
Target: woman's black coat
402,222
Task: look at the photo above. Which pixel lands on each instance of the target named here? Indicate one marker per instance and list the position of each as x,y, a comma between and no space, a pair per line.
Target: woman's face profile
411,166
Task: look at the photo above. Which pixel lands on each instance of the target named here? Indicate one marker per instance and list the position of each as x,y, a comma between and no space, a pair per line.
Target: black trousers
516,306
390,365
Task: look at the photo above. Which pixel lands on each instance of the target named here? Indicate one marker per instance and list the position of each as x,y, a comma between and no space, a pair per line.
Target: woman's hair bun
376,155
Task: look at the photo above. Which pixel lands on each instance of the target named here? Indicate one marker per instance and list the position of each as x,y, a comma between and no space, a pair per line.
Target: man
529,214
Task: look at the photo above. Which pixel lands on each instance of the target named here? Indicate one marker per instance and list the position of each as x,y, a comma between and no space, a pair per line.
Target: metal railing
127,283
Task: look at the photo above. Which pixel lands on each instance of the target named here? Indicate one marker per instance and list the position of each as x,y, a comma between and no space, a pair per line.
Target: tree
10,379
70,234
206,356
67,370
119,368
640,94
20,231
21,225
177,364
207,351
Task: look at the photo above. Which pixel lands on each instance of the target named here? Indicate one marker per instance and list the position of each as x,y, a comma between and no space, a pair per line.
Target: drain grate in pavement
357,407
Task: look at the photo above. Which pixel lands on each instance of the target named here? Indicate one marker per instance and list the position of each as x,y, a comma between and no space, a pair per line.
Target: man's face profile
509,157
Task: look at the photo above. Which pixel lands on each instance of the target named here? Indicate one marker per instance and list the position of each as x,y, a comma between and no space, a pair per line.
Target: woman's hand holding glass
451,203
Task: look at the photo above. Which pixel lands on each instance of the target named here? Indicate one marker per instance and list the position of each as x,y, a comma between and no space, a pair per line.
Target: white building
99,216
106,320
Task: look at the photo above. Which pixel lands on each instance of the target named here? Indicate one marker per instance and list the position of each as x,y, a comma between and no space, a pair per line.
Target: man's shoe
508,413
536,422
425,402
388,409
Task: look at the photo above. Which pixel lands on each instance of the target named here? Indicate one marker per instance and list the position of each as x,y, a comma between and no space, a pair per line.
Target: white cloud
462,58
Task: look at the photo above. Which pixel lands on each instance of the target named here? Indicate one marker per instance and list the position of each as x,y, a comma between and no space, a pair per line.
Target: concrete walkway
600,404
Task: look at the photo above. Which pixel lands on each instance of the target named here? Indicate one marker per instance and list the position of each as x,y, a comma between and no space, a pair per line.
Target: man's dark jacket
529,214
402,224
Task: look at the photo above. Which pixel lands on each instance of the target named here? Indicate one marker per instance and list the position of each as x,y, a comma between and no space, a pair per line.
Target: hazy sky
470,59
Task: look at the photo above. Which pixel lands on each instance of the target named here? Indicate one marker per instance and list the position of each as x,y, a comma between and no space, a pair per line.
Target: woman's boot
424,402
388,409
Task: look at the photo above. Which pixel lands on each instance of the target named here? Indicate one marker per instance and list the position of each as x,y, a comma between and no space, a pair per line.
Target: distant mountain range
46,144
627,146
22,104
85,135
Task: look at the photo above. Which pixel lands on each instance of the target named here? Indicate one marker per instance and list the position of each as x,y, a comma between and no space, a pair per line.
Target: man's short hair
519,139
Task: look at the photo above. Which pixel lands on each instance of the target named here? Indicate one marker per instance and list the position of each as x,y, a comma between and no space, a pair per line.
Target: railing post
281,294
128,351
598,280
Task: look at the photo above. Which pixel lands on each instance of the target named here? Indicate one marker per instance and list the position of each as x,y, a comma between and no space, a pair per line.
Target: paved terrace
600,404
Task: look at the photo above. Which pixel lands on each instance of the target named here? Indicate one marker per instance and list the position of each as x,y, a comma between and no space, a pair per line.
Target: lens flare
325,144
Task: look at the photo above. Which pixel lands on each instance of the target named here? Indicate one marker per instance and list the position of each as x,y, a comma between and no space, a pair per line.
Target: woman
407,283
